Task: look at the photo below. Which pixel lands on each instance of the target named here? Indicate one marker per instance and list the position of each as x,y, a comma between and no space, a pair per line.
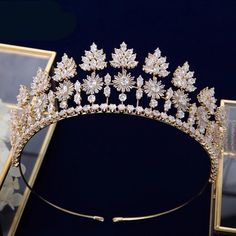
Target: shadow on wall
20,20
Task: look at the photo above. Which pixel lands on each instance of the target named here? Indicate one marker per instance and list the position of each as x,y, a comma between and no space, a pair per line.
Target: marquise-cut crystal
107,79
107,91
140,81
77,98
167,105
139,94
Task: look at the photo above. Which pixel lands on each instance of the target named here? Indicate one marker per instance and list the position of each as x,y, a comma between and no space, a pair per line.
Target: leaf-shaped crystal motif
65,70
123,82
155,64
92,84
93,59
23,97
51,100
41,82
123,57
14,126
192,114
154,89
39,105
183,78
206,99
202,119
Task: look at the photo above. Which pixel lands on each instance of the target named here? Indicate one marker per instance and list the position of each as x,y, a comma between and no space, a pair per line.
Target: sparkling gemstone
180,114
167,105
148,111
77,86
112,107
178,122
104,106
156,113
140,81
186,125
92,83
107,91
38,115
121,107
62,112
122,97
77,98
169,93
95,106
164,115
124,80
86,108
78,109
51,108
71,110
153,103
130,108
51,96
91,98
139,109
107,79
139,93
192,129
63,104
171,118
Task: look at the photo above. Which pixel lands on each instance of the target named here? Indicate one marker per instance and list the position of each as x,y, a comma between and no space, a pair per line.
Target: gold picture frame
50,57
218,191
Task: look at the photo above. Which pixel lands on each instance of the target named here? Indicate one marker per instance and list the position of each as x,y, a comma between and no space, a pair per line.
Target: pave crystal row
202,119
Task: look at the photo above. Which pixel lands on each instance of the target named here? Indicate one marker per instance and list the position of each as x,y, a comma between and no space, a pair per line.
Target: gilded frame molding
217,193
32,52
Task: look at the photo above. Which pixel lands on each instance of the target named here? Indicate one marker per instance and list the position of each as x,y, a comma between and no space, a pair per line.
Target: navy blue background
167,167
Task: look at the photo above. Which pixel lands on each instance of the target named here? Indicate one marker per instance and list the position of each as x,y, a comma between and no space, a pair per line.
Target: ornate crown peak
201,118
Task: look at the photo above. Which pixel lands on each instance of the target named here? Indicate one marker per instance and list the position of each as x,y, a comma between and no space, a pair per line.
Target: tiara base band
120,109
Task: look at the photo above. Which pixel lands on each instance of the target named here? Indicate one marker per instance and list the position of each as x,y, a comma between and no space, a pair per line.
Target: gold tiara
202,119
55,98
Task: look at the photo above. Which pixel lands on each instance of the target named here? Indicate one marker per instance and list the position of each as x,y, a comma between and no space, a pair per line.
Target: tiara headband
200,119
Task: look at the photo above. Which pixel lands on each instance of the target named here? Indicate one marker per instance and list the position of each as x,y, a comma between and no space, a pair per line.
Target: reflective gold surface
18,66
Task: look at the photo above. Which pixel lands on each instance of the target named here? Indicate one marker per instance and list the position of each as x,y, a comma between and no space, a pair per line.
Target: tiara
57,97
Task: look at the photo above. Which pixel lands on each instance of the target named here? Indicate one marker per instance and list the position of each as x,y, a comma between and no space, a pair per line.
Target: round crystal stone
63,104
122,97
92,83
124,81
153,103
91,98
180,114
